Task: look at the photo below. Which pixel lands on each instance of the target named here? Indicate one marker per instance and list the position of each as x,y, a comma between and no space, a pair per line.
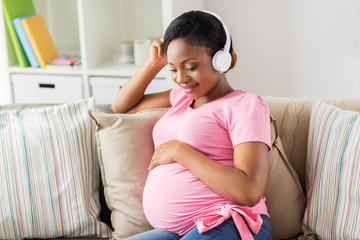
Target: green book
13,9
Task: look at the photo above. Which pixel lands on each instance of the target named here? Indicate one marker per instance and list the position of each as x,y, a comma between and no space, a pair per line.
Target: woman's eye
192,68
172,70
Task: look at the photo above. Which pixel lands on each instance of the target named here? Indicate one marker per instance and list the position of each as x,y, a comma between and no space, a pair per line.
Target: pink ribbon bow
245,218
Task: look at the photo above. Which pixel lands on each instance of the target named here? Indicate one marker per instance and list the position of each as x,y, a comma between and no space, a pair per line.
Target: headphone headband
228,41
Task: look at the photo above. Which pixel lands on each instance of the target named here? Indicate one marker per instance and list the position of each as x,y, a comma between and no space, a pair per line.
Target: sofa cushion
333,173
105,212
125,148
49,172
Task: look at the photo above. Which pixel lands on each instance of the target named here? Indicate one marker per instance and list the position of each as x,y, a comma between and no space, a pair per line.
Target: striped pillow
333,173
49,173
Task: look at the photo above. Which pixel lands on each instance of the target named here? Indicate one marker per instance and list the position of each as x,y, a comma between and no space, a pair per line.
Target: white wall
294,48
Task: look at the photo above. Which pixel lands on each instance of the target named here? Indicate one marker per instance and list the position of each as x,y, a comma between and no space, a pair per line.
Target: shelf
30,70
110,69
92,29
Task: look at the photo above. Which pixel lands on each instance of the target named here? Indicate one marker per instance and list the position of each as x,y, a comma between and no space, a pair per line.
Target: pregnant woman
210,166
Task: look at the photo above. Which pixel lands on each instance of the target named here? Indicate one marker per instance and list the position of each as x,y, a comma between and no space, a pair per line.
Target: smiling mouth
190,88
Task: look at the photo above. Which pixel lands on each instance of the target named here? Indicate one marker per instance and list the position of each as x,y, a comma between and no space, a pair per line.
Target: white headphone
221,61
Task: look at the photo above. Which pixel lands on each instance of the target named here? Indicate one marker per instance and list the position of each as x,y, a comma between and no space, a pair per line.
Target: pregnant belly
173,196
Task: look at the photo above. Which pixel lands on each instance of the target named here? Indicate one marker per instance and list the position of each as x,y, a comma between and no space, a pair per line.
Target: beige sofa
292,117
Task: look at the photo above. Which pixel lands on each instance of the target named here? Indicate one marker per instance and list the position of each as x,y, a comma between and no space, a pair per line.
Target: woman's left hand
168,152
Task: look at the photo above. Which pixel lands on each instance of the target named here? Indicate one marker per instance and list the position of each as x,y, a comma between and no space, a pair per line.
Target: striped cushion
49,173
333,173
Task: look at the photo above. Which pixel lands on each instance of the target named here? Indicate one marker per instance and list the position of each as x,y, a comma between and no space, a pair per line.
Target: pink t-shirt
173,196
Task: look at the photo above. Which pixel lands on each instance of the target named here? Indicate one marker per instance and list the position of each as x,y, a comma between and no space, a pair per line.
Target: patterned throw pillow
333,173
49,173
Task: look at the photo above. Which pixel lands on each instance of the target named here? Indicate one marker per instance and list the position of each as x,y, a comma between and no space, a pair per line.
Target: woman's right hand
157,56
131,97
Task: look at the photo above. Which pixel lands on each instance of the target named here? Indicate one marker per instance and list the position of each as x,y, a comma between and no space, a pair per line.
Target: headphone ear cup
221,61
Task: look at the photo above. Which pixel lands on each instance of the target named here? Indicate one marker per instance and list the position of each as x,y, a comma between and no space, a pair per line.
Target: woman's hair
199,29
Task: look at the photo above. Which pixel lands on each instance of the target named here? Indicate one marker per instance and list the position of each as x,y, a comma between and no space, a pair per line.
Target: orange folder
40,39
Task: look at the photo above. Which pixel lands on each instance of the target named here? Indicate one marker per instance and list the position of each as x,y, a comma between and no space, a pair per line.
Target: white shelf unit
91,28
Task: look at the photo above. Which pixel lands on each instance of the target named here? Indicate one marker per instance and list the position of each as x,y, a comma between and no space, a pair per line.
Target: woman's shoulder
245,97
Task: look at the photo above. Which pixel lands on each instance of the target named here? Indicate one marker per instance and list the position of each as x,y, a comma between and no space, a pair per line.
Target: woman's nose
181,77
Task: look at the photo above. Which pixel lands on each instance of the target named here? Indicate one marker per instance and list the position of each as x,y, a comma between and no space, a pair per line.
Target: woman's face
191,68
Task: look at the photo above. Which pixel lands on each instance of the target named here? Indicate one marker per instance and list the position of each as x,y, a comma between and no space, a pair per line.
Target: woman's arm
131,97
243,184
